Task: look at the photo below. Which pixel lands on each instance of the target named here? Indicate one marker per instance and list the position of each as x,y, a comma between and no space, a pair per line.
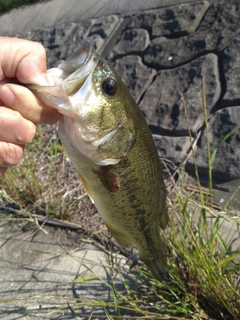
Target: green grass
7,5
204,274
44,182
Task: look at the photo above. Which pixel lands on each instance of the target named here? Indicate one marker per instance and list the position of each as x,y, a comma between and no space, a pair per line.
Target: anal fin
121,238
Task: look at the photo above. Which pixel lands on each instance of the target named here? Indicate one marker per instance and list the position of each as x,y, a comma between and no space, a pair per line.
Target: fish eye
109,86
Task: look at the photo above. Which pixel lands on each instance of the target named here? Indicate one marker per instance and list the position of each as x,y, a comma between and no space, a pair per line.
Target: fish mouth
70,76
77,68
78,60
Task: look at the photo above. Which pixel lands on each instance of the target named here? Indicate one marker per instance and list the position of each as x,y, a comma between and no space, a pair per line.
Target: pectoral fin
109,178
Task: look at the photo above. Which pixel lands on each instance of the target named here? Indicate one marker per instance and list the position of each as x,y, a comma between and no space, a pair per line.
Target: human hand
21,62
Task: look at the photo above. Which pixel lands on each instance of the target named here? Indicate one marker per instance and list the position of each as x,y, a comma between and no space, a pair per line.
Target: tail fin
158,266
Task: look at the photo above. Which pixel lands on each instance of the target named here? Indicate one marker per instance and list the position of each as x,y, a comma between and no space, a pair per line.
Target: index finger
21,99
22,59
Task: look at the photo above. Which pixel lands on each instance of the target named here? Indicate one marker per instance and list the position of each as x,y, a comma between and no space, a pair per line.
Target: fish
108,141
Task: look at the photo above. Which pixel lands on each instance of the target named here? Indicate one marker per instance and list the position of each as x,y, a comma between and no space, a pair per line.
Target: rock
168,53
219,27
132,40
222,22
224,193
103,31
227,162
183,18
105,26
230,63
134,74
162,103
97,41
172,148
61,41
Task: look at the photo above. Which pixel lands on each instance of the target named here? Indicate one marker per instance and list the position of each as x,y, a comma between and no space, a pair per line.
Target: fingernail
47,79
44,80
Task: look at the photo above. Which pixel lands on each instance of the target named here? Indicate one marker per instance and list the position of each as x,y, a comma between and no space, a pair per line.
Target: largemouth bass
109,143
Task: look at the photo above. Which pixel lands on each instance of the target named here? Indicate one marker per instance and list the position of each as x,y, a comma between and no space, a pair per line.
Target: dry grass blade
204,274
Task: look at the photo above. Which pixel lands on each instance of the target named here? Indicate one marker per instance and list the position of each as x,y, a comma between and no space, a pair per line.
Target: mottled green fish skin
130,195
135,212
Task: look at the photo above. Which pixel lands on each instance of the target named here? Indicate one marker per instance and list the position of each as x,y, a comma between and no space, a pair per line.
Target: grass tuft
7,5
204,271
44,181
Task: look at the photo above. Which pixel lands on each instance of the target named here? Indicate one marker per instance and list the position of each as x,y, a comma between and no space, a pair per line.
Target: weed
43,181
7,5
204,272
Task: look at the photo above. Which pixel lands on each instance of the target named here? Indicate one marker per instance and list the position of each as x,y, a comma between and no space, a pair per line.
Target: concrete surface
58,12
37,269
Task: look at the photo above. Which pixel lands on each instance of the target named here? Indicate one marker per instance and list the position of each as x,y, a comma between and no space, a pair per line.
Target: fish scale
109,143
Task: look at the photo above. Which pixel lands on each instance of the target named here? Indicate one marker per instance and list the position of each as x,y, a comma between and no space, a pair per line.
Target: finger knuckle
10,154
39,49
26,131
